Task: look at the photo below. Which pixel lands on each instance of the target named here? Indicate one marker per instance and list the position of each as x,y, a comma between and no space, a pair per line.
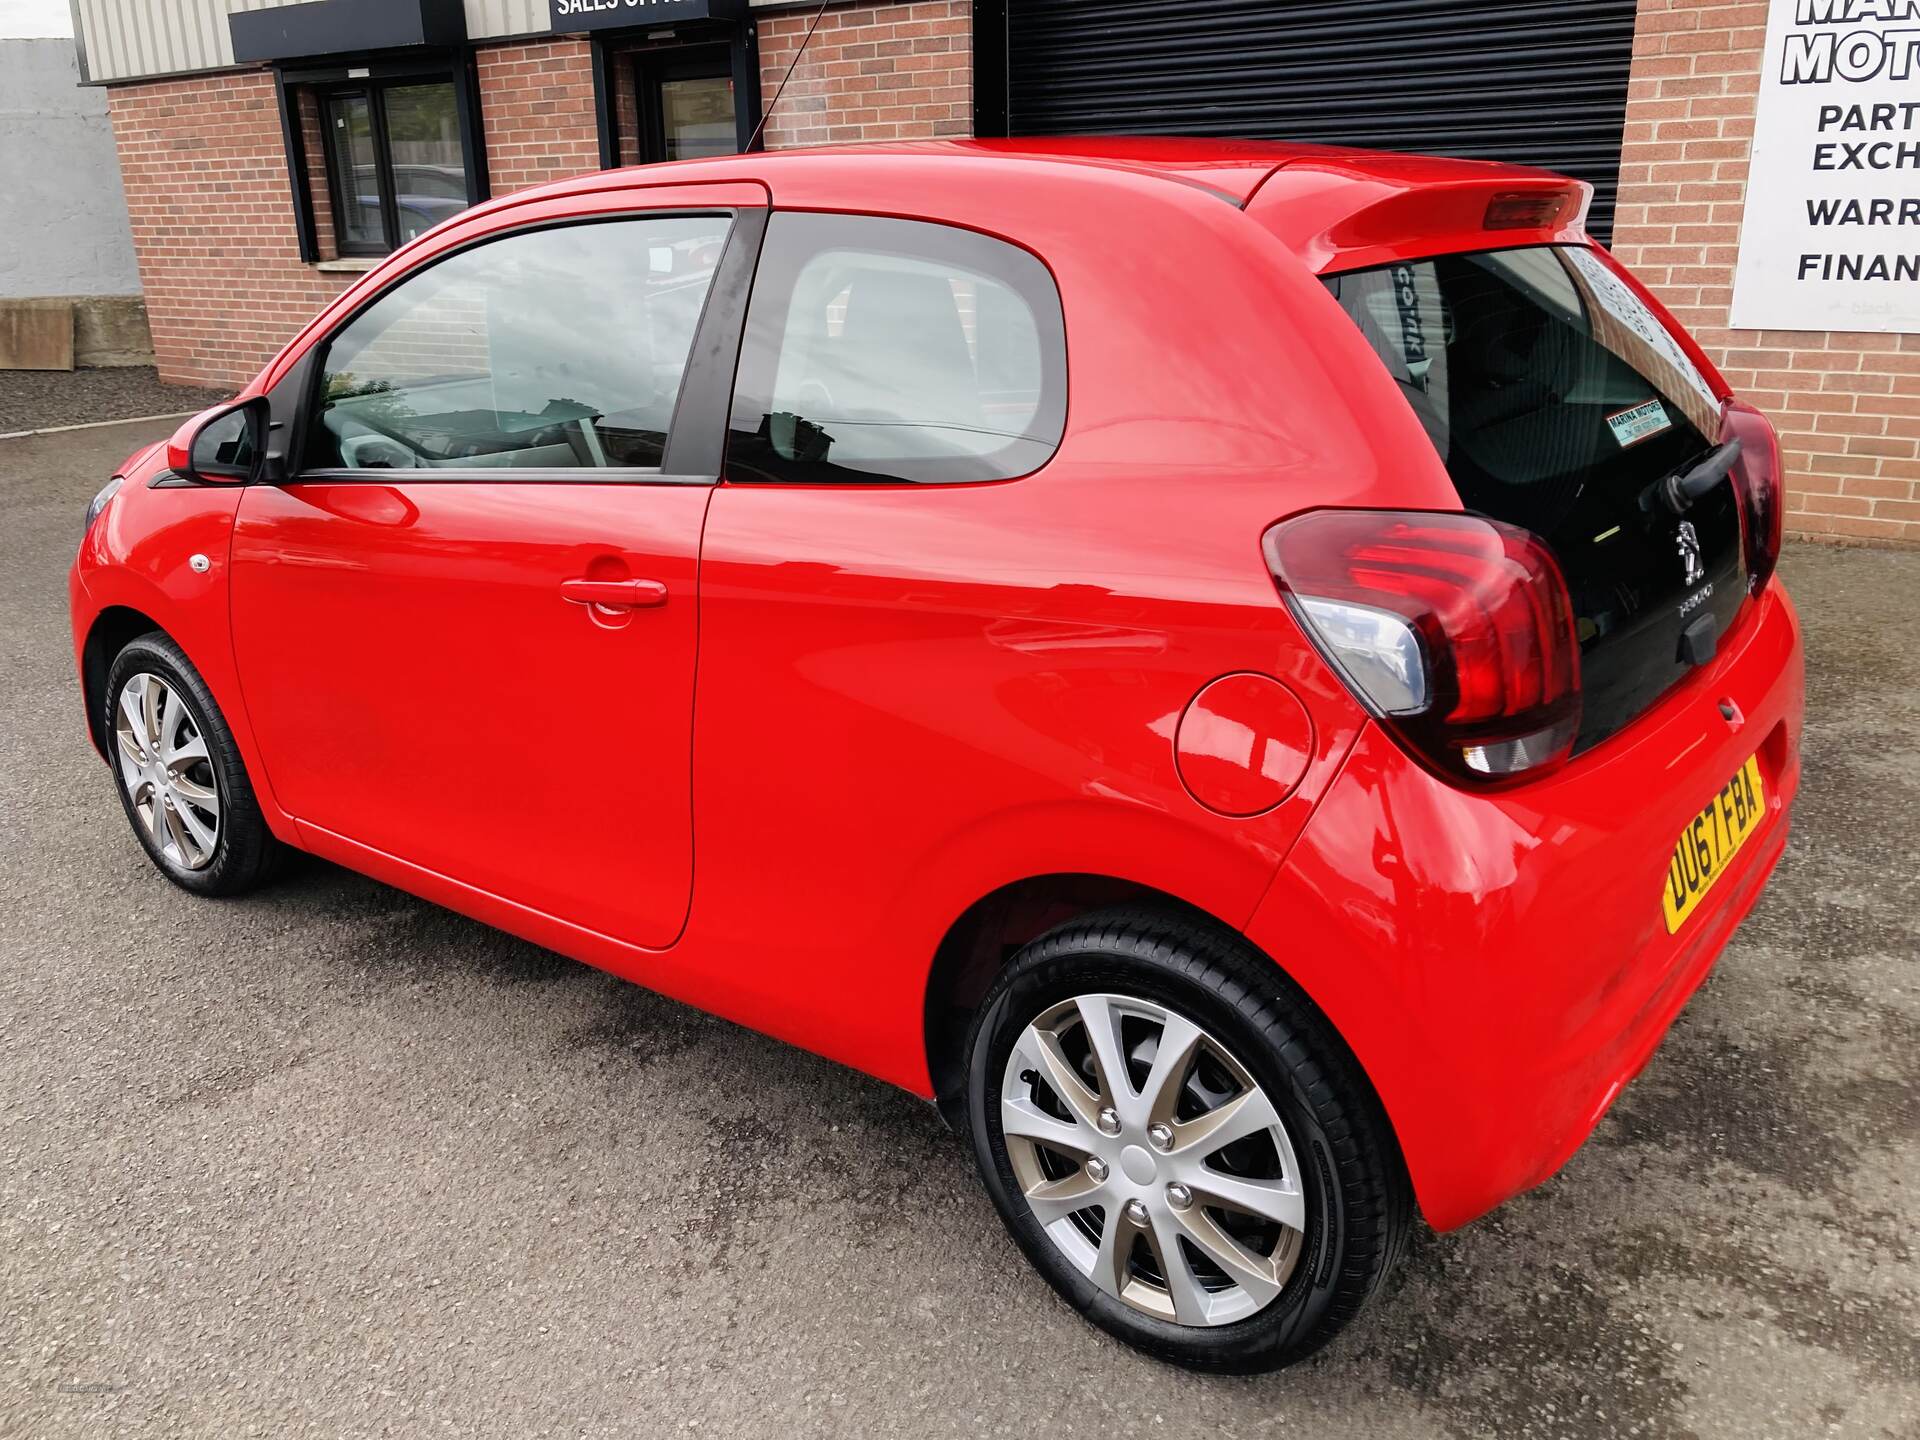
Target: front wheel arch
112,629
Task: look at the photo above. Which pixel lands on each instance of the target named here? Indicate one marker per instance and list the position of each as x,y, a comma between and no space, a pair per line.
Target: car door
466,624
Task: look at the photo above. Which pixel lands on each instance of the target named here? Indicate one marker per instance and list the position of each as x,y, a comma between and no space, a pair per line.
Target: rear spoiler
1362,211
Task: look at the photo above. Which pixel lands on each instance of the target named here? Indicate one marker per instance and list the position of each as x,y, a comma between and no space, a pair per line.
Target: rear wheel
1180,1144
180,777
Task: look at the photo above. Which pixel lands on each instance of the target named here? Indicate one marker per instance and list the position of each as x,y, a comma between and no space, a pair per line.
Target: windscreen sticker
1642,422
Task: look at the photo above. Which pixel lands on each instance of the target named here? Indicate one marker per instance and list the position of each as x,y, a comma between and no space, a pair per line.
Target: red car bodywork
909,698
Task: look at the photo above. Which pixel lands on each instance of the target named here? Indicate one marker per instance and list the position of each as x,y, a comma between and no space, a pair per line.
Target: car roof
1235,169
1334,206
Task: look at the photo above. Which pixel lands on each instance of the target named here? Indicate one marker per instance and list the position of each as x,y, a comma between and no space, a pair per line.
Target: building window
395,162
686,107
694,94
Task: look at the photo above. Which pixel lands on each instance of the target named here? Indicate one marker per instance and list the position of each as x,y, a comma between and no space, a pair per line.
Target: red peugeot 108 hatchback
1252,675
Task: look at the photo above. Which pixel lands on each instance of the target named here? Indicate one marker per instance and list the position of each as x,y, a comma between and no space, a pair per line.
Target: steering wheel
355,451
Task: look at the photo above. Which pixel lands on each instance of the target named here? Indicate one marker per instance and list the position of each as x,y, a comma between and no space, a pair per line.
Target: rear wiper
1680,489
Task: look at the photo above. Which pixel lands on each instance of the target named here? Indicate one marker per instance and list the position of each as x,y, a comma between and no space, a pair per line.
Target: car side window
556,348
884,350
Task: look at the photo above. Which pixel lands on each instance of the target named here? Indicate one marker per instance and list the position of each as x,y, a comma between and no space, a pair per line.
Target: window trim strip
500,475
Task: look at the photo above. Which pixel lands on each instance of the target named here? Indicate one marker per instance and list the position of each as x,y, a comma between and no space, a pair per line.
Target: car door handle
614,594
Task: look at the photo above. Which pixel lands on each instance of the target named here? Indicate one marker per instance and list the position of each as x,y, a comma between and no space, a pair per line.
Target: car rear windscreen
1558,402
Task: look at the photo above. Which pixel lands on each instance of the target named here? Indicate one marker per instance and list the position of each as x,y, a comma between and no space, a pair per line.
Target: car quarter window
555,348
895,350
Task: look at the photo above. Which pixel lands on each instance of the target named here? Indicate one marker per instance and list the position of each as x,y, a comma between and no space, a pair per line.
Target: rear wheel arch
1331,1150
987,935
983,939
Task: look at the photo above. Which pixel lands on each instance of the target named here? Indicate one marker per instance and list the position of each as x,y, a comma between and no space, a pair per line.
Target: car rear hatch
1556,398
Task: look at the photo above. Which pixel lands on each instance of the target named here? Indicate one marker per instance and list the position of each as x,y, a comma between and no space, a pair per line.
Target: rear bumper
1500,964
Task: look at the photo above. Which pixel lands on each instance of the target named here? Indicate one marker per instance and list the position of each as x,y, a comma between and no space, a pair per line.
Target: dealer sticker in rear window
1630,427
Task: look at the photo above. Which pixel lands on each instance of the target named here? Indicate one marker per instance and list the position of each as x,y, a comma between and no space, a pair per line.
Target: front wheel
179,773
1180,1144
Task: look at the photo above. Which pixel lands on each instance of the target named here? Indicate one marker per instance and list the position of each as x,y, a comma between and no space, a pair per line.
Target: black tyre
1238,1197
179,774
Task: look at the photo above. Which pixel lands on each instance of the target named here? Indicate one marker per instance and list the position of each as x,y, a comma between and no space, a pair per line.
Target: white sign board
1831,236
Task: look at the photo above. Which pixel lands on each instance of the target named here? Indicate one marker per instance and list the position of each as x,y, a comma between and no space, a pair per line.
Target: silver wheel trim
168,774
1135,1169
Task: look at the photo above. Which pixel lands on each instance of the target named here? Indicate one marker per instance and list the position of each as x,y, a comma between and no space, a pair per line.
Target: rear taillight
1457,632
1760,481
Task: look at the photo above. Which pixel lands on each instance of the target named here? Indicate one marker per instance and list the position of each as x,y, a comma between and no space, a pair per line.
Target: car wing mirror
227,445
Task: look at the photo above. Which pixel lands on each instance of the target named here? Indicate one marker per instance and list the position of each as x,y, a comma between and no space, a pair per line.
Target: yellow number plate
1709,843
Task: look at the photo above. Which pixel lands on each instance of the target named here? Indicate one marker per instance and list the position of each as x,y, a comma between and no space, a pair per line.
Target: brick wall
536,104
626,107
205,175
1848,405
871,72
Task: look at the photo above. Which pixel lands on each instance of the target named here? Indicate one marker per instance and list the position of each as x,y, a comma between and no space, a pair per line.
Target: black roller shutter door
1540,82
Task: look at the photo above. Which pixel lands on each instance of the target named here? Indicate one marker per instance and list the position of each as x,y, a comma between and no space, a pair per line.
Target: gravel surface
331,1162
42,399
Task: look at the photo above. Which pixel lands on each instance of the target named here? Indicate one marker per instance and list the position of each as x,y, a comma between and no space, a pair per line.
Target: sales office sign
565,16
1831,236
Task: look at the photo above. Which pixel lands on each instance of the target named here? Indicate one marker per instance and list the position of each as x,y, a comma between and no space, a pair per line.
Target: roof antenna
767,114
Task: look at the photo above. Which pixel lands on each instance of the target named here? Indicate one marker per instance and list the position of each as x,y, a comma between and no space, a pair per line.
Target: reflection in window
224,445
696,117
429,171
353,174
555,348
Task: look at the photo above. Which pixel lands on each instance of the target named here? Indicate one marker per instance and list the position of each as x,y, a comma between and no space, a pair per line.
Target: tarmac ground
330,1161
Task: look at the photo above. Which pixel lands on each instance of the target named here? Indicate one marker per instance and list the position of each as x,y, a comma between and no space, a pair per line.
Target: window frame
332,160
950,243
696,432
375,93
371,78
